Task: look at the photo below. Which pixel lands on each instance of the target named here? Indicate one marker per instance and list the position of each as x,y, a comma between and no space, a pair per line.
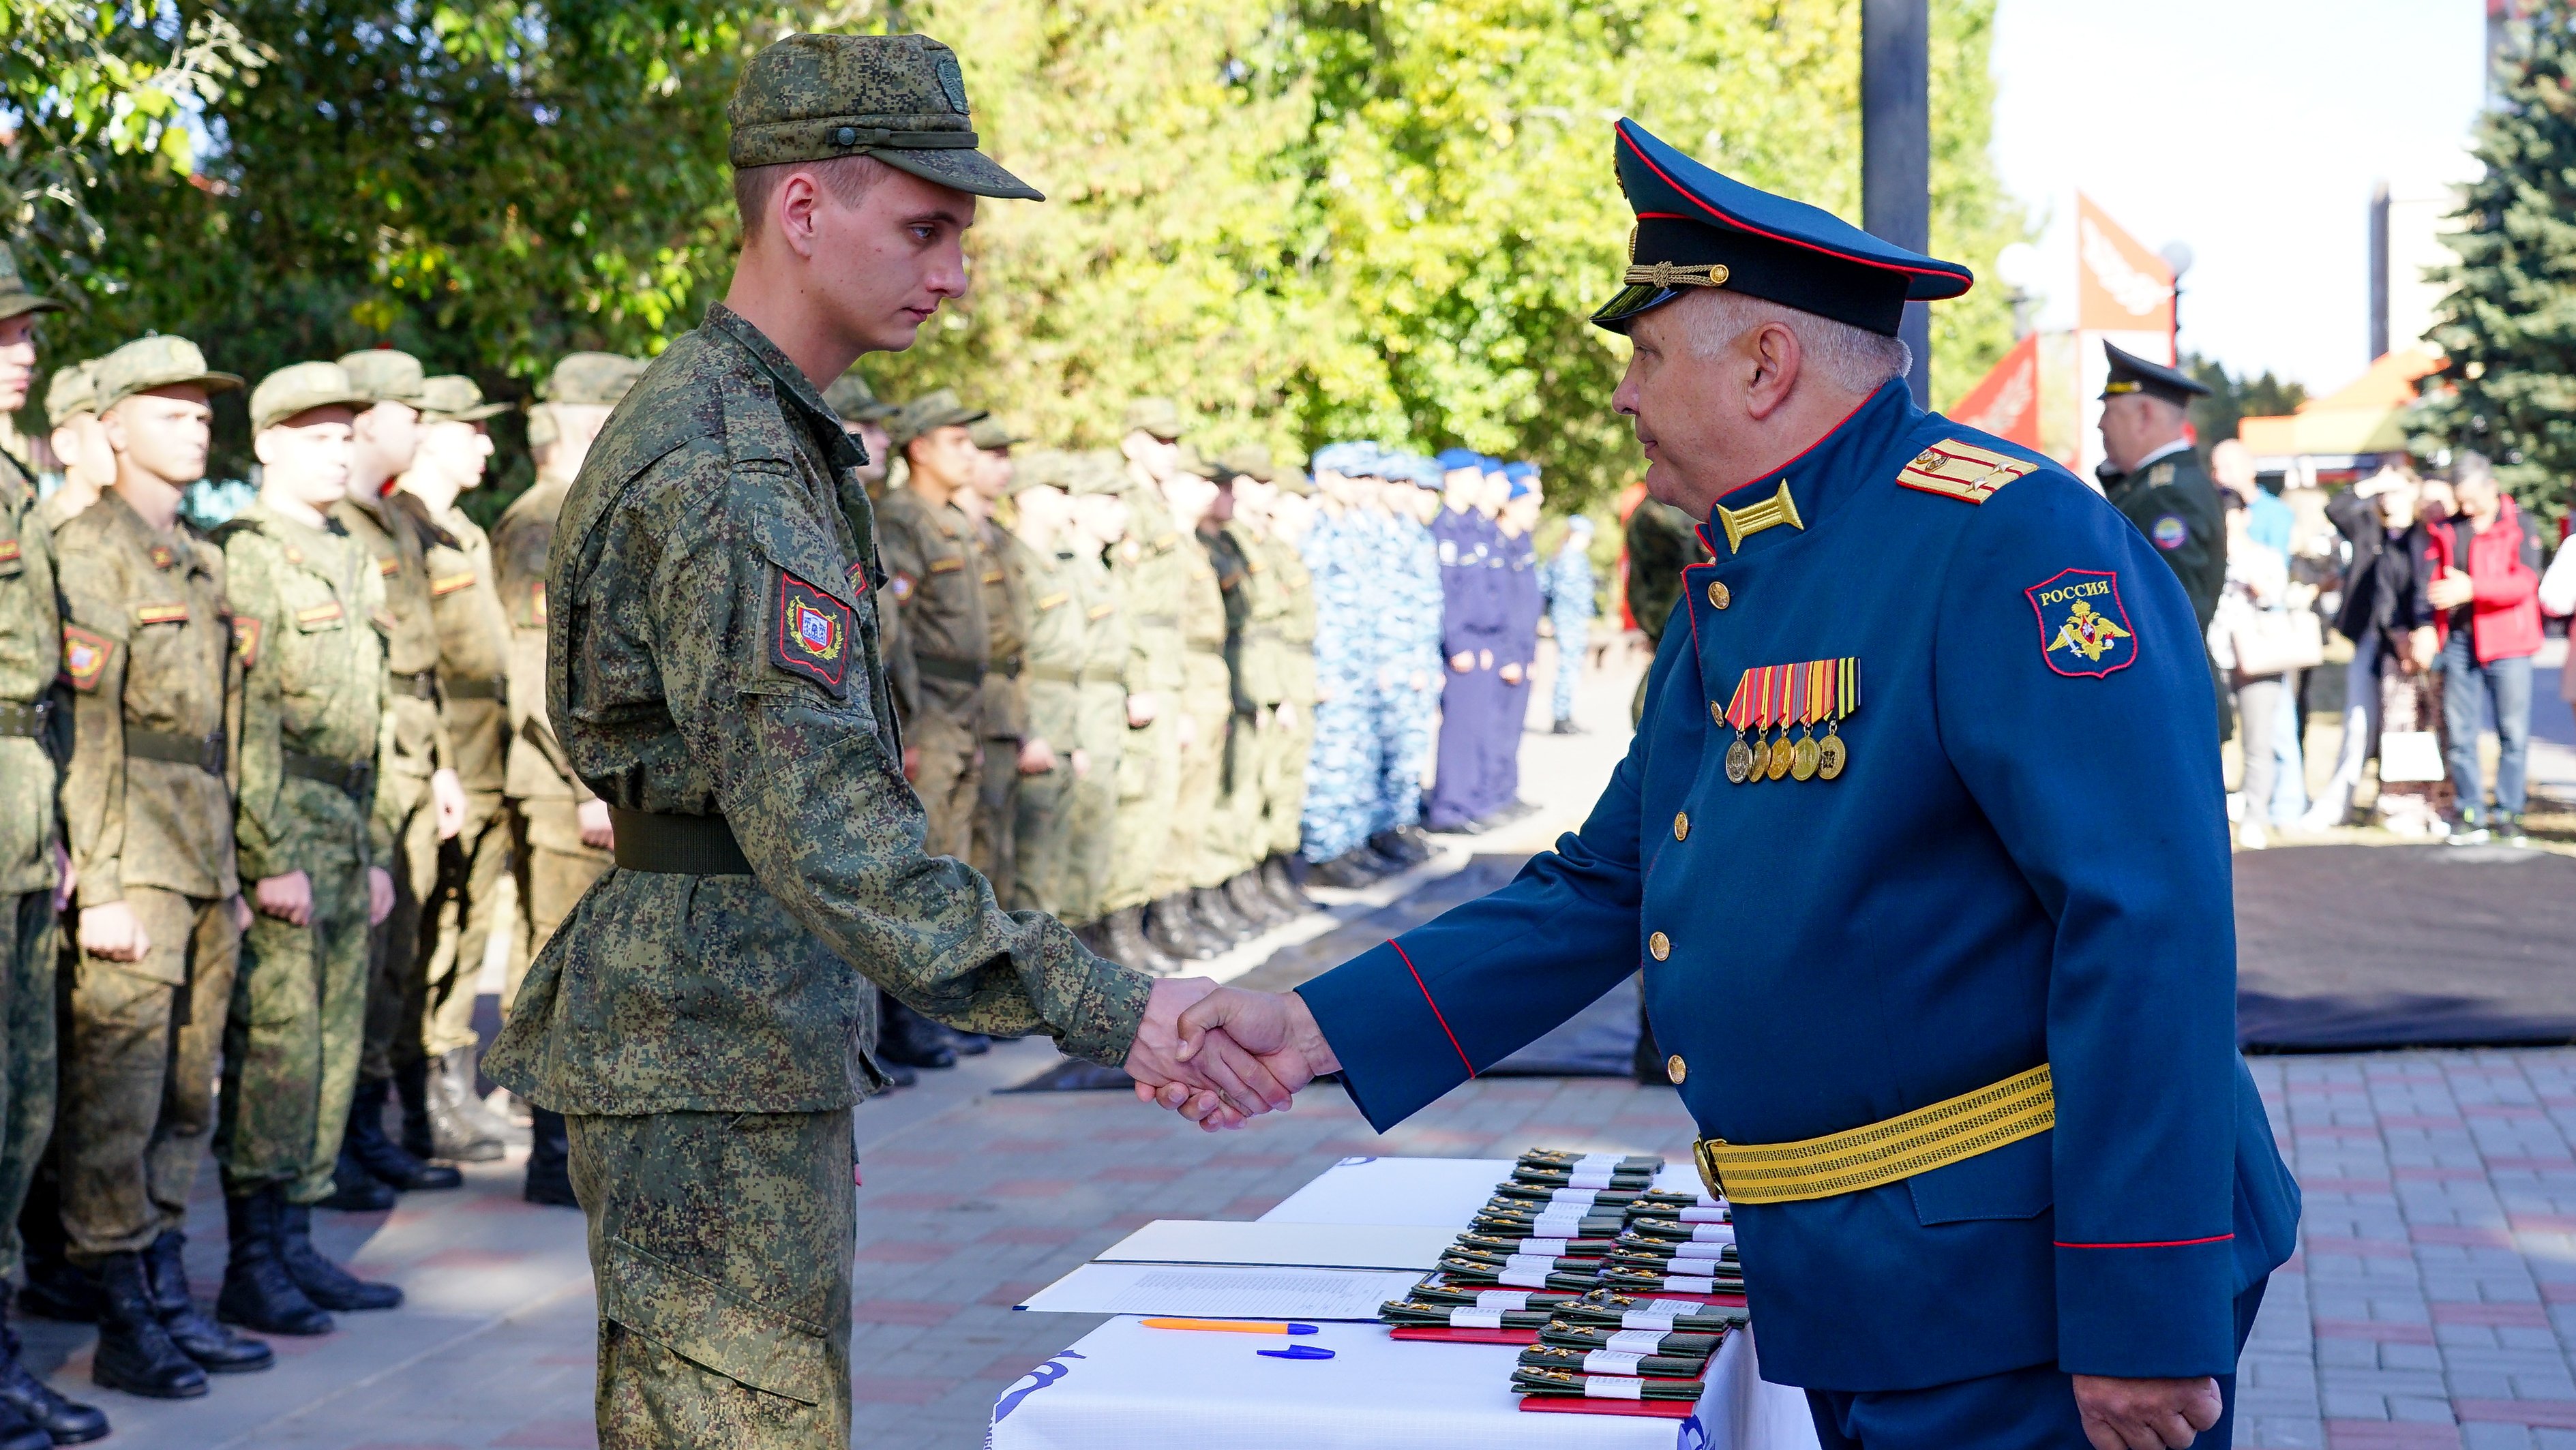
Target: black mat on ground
2355,947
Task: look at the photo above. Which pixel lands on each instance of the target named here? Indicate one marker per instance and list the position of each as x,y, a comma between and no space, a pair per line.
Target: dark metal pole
1896,148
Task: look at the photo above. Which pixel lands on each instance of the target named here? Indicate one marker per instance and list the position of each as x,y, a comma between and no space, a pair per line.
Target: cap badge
1665,276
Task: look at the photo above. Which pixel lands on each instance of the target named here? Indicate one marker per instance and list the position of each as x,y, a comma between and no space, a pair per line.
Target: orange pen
1230,1326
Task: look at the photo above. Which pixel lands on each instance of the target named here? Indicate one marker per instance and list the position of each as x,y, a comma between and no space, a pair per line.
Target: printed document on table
1222,1291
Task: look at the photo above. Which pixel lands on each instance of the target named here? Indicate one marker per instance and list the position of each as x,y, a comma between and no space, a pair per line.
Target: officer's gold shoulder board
85,657
1961,470
812,637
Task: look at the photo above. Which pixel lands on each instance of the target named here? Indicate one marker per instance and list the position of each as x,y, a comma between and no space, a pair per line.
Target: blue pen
1295,1351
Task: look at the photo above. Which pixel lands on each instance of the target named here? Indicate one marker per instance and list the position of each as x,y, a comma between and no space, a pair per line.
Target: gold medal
1780,752
1831,755
1739,761
1802,758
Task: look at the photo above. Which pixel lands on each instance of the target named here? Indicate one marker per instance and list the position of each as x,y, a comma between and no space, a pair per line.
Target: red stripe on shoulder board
1436,1014
2166,1244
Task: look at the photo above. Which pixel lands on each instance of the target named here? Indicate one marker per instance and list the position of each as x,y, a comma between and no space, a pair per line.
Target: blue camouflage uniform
1341,786
1569,586
2017,859
1408,646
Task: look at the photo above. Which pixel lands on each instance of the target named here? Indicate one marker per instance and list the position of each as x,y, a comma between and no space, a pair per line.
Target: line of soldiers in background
1153,692
272,778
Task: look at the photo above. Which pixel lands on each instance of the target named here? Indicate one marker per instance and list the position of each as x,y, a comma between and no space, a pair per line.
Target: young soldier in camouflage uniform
1006,710
1100,724
1153,577
559,830
1292,510
420,799
703,1018
30,655
1256,611
1058,645
148,653
89,465
1205,821
310,626
473,680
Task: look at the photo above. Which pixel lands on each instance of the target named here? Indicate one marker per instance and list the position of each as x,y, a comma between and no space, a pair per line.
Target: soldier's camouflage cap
1158,416
17,299
930,411
72,389
1043,468
1098,471
1294,480
1191,461
292,389
898,98
158,361
1252,460
991,434
855,402
593,379
386,375
455,398
1351,460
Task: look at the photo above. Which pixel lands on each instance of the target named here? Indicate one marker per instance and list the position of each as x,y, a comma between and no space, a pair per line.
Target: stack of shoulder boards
1535,1269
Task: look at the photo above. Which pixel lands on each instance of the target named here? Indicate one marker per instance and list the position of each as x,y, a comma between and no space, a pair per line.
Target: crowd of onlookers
2443,588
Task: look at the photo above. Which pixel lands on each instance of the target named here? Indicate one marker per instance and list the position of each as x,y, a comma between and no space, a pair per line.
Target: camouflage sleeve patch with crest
811,634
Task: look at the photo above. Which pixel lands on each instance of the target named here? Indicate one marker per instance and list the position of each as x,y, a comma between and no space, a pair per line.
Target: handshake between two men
1221,1056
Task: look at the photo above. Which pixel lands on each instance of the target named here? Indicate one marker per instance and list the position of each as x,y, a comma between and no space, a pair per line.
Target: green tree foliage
2234,397
2508,327
1308,220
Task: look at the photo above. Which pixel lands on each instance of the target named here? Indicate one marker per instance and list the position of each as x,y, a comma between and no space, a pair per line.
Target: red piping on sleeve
2167,1244
1436,1014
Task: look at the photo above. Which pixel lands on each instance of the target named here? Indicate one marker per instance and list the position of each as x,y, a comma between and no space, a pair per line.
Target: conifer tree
2508,326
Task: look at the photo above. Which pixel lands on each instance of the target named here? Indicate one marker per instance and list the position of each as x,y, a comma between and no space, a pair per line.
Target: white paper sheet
1306,1245
1222,1291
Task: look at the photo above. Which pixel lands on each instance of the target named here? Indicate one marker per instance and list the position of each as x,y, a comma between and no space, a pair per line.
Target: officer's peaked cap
2131,373
1697,228
1454,459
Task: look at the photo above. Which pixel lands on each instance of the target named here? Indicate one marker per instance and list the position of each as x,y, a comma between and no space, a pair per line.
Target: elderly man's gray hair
1850,357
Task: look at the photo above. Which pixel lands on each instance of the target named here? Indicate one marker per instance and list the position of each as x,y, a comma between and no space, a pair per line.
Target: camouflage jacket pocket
705,1322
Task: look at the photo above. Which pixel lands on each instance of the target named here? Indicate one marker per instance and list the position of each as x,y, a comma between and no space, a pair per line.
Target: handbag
2409,756
2276,641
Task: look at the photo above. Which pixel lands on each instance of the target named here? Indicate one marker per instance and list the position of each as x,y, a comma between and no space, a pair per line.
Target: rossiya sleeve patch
85,657
812,635
2083,627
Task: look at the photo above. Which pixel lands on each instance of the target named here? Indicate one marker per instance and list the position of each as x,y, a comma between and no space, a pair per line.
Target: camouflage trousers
394,946
554,869
466,903
1405,737
1093,833
1283,782
291,1046
1238,801
997,793
30,946
1200,783
1341,776
138,1073
945,743
721,1244
1149,783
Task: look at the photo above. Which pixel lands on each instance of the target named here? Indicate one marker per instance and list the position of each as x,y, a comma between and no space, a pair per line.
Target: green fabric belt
1057,673
205,752
677,845
354,778
940,667
1158,621
493,688
422,686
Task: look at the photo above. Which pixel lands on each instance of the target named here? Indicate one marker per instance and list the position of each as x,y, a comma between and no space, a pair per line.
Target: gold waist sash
1910,1143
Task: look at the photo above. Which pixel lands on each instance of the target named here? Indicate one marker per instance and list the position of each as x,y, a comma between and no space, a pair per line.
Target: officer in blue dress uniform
1471,632
1921,848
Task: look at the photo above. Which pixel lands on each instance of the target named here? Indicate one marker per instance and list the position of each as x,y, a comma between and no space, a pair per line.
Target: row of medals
1805,758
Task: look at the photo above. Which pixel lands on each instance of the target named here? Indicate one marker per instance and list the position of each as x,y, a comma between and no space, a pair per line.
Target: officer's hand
2145,1414
1220,1087
1187,727
1141,710
2450,591
380,894
912,762
1275,1027
1285,715
1422,679
241,914
109,931
1036,756
596,832
1463,661
1511,674
289,898
448,794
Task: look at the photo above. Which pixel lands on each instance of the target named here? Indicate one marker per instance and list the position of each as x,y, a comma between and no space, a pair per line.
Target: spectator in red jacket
2485,594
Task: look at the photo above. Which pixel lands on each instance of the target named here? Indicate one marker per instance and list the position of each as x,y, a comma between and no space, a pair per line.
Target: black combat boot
353,1188
1125,937
1396,845
966,1044
1348,871
216,1350
907,1038
381,1159
1169,927
323,1282
59,1421
134,1352
258,1293
1253,904
1209,906
454,1134
549,1160
411,1087
1279,877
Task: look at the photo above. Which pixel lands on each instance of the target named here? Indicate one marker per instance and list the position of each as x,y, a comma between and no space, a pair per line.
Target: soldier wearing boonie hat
89,465
729,628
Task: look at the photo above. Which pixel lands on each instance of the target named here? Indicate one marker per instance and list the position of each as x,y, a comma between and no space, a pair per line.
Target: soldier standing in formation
1151,570
1096,481
79,443
1189,919
1004,717
1411,668
1343,548
1516,521
31,1414
1471,626
560,832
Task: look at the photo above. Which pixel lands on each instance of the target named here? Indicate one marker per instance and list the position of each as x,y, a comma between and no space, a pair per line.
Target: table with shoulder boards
1125,1386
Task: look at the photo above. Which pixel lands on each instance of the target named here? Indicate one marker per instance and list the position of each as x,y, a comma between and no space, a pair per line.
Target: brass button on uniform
1676,1069
1718,598
1660,945
1681,825
1717,712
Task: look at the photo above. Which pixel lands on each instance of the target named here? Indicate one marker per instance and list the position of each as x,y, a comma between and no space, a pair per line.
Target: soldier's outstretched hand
1221,1088
1273,1028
